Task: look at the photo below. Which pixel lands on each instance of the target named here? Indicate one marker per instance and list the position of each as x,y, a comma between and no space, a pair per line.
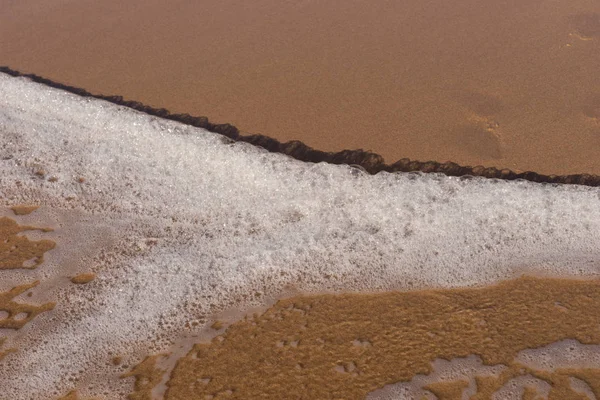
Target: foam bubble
458,369
177,223
515,388
569,354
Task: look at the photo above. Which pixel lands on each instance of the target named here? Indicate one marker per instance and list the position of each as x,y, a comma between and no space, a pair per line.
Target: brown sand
345,346
147,376
83,278
24,209
18,251
73,395
19,314
4,352
505,83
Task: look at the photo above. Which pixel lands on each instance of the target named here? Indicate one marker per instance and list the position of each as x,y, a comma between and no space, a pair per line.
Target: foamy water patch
178,223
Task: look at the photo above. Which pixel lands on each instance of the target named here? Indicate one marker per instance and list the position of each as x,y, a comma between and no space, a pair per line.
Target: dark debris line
371,162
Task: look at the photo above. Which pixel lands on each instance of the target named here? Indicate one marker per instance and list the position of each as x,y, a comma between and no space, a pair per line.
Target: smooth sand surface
505,83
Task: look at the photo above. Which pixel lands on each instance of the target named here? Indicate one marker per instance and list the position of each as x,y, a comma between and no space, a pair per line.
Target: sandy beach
147,259
510,84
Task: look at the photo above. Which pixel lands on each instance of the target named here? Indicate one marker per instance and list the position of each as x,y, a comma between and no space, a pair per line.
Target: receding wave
177,223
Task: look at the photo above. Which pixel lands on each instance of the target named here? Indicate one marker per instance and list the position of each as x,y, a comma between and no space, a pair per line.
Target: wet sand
532,337
511,84
346,346
529,338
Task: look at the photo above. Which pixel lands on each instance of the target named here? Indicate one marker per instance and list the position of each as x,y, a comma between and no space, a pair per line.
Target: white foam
458,369
176,223
514,389
566,354
557,356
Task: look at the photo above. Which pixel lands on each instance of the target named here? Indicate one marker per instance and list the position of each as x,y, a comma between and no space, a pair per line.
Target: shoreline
370,162
508,84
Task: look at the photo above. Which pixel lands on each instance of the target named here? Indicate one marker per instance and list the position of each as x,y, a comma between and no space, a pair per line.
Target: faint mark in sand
479,138
479,135
585,26
591,107
482,104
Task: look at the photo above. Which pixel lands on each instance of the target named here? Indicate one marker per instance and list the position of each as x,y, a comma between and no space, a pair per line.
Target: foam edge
369,161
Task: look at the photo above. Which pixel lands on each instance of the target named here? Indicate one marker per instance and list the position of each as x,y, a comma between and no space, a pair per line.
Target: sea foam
178,223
